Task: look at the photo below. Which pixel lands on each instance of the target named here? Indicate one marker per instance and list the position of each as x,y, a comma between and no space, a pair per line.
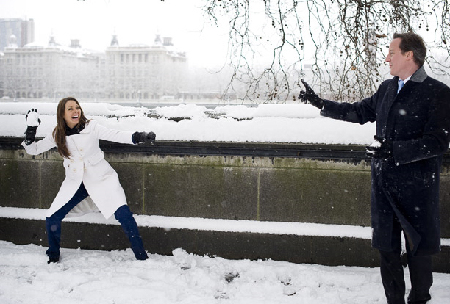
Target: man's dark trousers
392,275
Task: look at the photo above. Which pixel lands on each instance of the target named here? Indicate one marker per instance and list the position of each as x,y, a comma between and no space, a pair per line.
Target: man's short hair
412,42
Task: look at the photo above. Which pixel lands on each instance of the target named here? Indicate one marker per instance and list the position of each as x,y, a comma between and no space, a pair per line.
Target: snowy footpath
101,277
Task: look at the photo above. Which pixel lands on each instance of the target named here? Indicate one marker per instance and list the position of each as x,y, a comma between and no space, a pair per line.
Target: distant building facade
52,71
22,30
144,72
122,72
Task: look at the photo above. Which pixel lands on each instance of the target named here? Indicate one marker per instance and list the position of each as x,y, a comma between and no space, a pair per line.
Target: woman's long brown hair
59,133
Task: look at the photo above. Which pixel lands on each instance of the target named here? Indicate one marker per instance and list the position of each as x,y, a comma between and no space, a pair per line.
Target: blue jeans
122,214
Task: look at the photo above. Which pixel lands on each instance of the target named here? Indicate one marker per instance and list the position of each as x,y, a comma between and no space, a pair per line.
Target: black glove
142,137
381,148
310,96
33,122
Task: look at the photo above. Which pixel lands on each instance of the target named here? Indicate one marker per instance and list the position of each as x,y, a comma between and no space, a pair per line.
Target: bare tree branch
267,43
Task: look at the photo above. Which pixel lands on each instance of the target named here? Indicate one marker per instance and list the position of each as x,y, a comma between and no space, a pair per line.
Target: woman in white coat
88,174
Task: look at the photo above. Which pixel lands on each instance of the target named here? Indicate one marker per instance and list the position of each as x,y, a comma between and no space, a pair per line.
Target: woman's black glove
142,137
33,122
310,96
380,148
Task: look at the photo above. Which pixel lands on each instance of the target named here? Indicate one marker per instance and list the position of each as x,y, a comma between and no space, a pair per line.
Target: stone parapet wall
262,188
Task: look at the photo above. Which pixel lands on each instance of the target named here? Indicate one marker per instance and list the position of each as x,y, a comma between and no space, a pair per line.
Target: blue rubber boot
129,226
53,224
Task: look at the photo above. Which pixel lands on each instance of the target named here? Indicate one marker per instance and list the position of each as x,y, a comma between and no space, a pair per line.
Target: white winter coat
87,164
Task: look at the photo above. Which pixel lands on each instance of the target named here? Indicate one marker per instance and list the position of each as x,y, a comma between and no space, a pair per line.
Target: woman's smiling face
72,113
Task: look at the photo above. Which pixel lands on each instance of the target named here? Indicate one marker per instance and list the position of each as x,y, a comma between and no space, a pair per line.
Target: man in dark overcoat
412,116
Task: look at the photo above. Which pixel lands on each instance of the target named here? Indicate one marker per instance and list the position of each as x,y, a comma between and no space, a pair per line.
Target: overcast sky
94,22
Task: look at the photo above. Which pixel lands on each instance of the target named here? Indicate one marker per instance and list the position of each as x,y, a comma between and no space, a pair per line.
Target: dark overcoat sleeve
359,112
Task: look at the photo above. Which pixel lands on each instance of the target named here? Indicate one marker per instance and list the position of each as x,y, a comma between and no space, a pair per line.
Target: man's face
399,64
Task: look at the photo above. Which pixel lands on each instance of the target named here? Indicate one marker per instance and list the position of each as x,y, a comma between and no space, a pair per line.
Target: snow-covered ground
101,277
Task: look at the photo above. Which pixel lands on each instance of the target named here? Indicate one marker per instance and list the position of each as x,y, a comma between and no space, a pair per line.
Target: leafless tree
268,38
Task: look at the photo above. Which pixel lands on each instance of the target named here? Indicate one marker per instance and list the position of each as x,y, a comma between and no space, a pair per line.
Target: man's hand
142,137
33,122
380,148
311,96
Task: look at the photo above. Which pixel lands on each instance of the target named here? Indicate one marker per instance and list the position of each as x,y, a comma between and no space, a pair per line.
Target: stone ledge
324,250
